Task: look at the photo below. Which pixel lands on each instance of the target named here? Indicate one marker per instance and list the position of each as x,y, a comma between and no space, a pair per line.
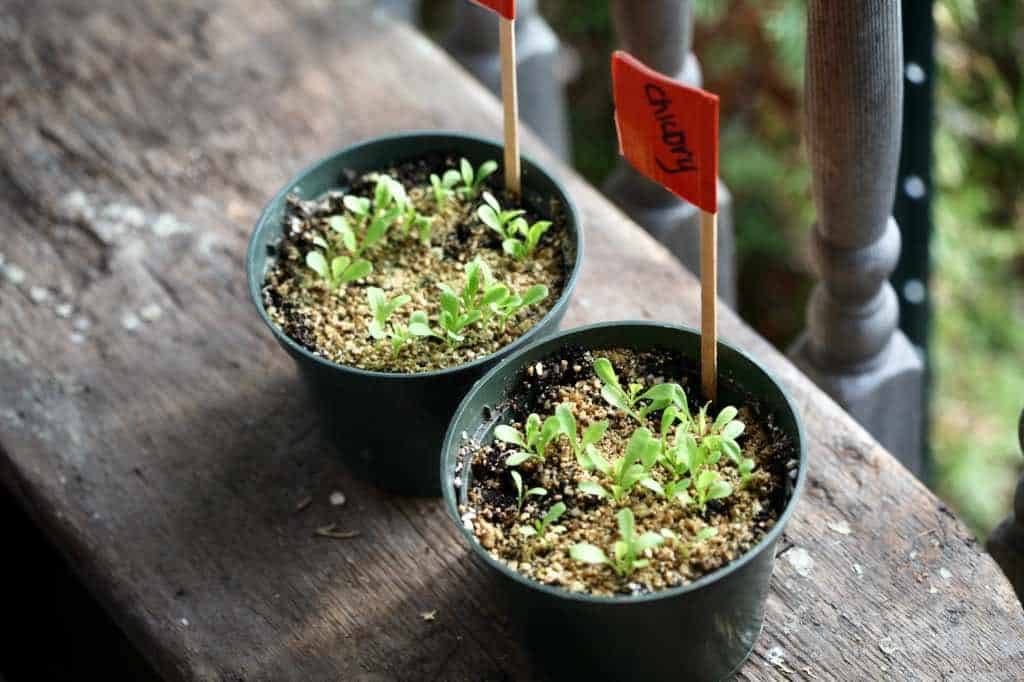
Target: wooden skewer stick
709,304
510,99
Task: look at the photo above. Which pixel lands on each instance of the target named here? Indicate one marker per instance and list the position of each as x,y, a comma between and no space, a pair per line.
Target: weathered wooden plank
165,457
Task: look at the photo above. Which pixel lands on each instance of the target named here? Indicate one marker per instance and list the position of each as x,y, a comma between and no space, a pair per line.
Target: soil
334,324
739,520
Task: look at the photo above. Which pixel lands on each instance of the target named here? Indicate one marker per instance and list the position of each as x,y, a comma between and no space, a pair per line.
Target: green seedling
612,391
454,319
661,397
471,181
519,238
516,302
381,309
627,550
708,485
522,494
399,334
678,491
676,458
686,548
633,400
746,469
443,186
336,270
583,447
478,300
539,528
525,237
534,443
641,455
415,222
502,222
372,220
721,435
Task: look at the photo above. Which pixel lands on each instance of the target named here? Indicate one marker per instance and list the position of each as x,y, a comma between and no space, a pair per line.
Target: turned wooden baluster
854,106
473,41
660,34
1006,543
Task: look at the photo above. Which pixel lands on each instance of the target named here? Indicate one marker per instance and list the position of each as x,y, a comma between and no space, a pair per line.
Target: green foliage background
752,55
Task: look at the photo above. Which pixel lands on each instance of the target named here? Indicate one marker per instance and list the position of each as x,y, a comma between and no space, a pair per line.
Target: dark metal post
913,206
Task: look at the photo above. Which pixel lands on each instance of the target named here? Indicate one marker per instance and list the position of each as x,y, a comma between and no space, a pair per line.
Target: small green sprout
502,222
662,396
531,234
454,319
678,491
539,528
443,186
414,221
519,239
522,494
477,301
641,455
722,434
534,443
612,390
516,302
708,485
677,458
381,309
746,469
627,549
389,202
633,400
336,270
471,181
583,448
399,334
705,533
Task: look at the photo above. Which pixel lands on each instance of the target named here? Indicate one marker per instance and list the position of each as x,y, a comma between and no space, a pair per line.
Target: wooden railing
854,94
854,111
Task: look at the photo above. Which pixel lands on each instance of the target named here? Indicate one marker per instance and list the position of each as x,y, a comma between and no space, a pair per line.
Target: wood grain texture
165,454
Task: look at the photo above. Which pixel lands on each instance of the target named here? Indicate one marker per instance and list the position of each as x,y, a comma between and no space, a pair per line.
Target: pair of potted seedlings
631,524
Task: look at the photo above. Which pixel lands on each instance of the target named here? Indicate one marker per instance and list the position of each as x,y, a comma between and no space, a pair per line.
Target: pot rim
457,138
450,449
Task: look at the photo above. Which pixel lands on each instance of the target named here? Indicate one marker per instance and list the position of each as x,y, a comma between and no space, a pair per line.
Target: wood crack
165,285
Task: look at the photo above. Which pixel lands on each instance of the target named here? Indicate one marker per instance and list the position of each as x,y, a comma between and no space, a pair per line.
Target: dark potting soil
738,521
334,323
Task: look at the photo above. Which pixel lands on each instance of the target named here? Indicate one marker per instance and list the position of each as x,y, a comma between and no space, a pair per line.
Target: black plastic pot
700,631
388,427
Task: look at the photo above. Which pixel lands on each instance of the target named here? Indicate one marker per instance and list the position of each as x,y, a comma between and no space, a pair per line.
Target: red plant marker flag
668,131
506,8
